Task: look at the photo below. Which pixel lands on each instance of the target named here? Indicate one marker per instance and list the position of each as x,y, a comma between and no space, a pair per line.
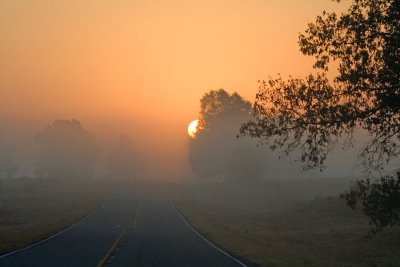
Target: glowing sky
140,67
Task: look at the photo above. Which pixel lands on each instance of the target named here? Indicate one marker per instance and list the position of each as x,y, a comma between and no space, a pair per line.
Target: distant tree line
69,152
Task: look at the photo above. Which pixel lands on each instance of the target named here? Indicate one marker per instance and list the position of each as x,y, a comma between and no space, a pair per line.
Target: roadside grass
268,225
33,209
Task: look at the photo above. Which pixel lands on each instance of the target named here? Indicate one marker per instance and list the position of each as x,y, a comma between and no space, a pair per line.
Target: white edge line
58,233
201,236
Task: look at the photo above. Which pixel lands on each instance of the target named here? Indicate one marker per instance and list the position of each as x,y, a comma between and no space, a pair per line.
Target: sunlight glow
192,128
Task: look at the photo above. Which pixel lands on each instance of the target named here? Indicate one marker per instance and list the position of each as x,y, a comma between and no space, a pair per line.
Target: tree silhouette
311,114
68,151
216,152
380,199
125,161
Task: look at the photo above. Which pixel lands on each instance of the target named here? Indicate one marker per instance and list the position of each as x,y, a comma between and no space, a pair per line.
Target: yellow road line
115,244
110,251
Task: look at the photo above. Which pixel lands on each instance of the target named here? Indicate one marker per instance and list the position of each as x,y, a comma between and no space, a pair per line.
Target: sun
192,128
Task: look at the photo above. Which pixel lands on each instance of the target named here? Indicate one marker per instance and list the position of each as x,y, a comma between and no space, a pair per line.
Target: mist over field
169,161
202,133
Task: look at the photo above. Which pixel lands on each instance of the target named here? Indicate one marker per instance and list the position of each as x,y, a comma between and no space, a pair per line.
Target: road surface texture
134,227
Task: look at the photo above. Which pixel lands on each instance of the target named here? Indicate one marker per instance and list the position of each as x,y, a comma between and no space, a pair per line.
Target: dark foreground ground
33,209
292,223
135,227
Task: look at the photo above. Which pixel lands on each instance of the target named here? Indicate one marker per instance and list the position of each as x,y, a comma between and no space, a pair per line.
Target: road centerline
119,238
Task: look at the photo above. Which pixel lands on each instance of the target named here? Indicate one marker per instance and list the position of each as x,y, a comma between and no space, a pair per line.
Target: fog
145,137
137,69
165,148
98,166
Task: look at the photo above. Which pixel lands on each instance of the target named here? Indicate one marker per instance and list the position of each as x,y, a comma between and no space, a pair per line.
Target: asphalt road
135,227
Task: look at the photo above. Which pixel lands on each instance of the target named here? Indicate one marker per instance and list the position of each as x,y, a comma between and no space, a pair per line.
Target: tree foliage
68,151
311,114
380,200
215,152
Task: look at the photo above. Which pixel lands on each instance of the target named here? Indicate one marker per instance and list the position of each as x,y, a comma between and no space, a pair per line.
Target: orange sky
140,67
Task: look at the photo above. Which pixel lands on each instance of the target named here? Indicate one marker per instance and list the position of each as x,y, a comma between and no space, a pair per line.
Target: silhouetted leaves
380,200
311,114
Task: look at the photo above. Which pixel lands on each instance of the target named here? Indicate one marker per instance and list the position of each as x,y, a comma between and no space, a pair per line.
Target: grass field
33,209
276,225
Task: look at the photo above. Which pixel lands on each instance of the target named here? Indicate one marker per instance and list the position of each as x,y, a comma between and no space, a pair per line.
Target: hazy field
33,209
272,225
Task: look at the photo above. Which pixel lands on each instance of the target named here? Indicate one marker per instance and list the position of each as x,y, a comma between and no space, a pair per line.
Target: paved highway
135,227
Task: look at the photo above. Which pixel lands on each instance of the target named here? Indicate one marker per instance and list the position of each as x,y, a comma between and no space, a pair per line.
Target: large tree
215,152
68,151
312,114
